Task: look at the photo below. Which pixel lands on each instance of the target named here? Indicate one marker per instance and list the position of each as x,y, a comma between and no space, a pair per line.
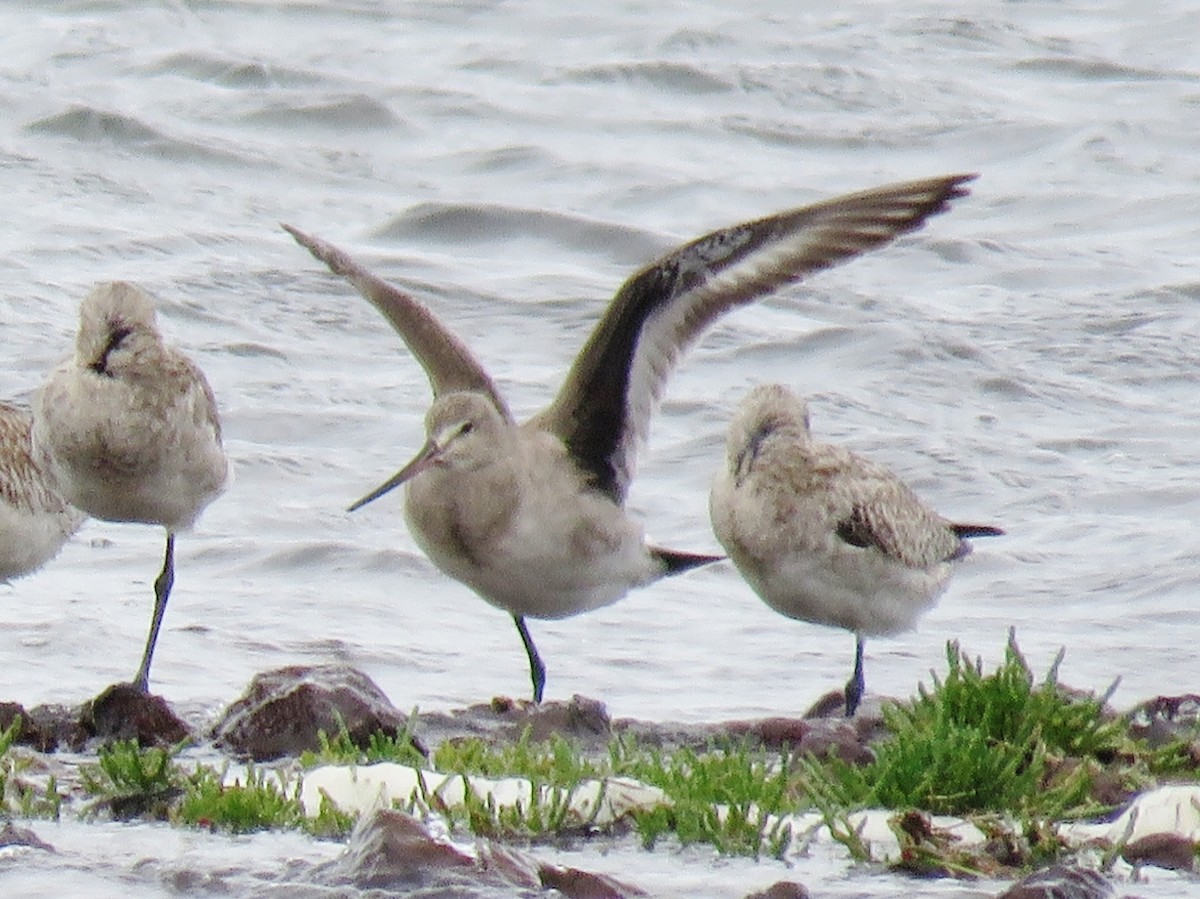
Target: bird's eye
467,427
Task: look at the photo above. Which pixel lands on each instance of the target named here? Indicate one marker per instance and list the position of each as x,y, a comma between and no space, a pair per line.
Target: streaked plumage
128,428
531,516
35,521
824,535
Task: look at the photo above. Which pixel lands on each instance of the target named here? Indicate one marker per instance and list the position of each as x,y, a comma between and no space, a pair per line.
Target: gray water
1028,359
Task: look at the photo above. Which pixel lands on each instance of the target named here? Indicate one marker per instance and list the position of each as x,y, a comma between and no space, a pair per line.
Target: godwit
128,428
531,516
35,521
824,535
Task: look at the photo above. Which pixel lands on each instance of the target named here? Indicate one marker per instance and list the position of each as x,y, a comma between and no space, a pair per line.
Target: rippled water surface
1030,358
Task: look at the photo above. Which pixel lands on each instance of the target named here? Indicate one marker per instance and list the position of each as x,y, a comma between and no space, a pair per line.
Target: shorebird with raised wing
128,428
824,535
35,521
531,516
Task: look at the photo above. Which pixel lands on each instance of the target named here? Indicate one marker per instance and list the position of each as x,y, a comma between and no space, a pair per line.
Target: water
1028,359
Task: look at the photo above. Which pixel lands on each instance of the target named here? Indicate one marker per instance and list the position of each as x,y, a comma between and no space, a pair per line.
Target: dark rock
1166,850
820,737
1165,718
11,835
783,889
123,712
283,712
1111,787
56,727
390,850
582,720
393,851
156,806
509,864
43,727
29,733
576,884
586,723
831,705
1061,882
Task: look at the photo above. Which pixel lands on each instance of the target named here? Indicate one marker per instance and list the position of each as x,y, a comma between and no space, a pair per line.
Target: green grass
725,797
729,797
257,801
130,781
978,743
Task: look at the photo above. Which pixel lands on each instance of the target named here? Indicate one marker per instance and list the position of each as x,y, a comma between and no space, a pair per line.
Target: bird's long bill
425,458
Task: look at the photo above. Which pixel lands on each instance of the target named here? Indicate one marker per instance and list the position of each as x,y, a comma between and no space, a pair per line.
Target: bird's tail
679,562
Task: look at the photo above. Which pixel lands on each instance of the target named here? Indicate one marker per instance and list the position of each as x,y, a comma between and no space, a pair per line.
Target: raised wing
603,410
446,360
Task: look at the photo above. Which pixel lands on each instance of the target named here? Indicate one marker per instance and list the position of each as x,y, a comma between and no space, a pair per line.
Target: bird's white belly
859,590
29,539
551,560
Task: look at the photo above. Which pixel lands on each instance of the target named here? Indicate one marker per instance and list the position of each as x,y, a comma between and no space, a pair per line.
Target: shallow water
1028,359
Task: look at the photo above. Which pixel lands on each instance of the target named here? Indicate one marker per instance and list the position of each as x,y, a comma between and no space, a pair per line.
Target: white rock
361,789
1174,808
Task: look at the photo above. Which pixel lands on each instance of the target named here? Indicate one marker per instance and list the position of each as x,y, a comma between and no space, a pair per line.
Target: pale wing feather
603,410
448,363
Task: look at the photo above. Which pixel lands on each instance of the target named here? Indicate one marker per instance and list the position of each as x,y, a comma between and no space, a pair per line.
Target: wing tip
956,185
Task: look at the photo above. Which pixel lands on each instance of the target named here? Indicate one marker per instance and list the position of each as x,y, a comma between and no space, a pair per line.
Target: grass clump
131,781
727,797
975,743
555,769
258,801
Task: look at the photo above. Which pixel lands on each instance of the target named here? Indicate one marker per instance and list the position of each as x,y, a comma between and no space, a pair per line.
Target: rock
393,851
360,789
1061,882
44,728
841,736
1165,718
783,889
1166,850
11,835
283,712
576,884
56,726
581,718
123,712
29,734
833,705
583,721
1171,808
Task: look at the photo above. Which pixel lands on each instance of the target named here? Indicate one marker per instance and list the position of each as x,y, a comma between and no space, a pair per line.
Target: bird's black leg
537,670
857,684
162,591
